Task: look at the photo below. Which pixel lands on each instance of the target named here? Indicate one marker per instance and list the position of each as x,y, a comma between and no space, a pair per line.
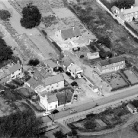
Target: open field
115,80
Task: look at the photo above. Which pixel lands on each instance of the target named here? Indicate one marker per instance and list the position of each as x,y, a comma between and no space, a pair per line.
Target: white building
49,102
93,55
11,71
75,70
131,108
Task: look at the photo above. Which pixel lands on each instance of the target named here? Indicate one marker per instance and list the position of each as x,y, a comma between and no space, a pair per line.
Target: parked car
76,49
74,83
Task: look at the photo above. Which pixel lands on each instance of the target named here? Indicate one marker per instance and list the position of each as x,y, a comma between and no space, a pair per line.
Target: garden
105,120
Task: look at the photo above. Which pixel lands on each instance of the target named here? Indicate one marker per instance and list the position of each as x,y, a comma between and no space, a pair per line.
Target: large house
11,71
110,65
48,84
126,14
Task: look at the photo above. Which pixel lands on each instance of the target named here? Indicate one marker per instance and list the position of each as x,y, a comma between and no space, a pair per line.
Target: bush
33,62
5,15
89,124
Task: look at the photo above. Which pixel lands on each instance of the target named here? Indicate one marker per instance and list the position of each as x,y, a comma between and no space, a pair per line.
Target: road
105,100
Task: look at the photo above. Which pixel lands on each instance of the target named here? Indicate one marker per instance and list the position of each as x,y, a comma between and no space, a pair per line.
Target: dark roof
70,33
111,61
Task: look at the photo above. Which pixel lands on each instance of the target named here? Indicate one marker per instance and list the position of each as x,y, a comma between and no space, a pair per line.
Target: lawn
115,80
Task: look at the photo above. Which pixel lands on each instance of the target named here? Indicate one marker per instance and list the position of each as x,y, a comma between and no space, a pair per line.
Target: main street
126,93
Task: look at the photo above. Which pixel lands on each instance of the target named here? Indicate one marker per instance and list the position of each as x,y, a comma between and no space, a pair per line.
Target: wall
52,105
16,73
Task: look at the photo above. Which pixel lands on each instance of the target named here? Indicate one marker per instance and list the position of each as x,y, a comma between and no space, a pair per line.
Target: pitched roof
52,98
74,68
70,33
34,83
66,61
53,79
50,63
130,10
111,61
129,105
15,67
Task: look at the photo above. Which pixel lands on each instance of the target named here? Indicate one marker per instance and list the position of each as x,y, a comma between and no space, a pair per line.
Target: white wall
16,73
52,105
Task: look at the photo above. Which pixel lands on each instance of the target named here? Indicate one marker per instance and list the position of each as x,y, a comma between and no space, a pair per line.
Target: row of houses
127,15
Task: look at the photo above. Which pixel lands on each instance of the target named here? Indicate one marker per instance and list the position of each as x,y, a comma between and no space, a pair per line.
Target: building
75,70
48,101
126,14
131,108
110,65
70,33
54,82
92,55
11,71
51,64
48,84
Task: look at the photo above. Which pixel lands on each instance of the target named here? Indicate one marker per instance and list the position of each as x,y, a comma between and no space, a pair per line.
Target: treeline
20,125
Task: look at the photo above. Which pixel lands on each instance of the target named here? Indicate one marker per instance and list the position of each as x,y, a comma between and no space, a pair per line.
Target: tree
59,134
5,15
33,62
89,124
5,51
31,16
20,125
105,41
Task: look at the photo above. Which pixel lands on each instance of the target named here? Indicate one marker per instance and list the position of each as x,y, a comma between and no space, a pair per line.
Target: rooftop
111,61
52,98
131,10
66,61
131,106
53,79
70,33
50,63
9,69
74,68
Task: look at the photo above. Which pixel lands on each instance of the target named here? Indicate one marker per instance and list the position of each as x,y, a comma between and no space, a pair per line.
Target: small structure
110,65
93,55
51,64
132,108
75,70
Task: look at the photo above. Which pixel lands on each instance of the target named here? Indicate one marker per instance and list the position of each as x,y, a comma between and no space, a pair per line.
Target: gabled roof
66,61
130,10
129,105
15,67
70,33
74,68
52,98
111,61
50,63
53,79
